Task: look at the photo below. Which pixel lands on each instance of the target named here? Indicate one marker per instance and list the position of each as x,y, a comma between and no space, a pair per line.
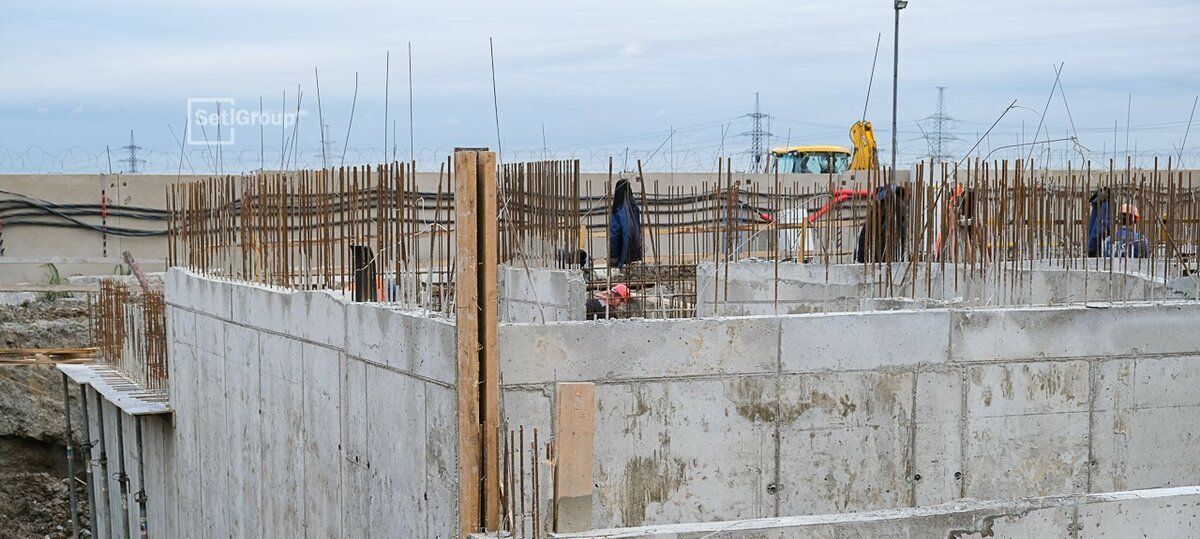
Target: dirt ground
33,484
36,504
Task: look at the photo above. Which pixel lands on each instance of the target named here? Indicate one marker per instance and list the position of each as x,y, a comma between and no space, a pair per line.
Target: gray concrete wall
77,251
539,295
726,419
1168,512
300,414
111,515
811,288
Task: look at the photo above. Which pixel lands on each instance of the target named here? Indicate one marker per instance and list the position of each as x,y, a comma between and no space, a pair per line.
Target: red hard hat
621,291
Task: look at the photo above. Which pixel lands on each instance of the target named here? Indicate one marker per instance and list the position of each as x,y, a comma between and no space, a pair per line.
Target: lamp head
901,4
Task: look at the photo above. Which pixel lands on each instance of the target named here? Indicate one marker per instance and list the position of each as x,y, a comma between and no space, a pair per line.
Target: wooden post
477,320
489,251
574,431
467,328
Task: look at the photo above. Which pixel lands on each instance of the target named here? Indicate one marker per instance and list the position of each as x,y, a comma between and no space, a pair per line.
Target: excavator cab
832,159
813,159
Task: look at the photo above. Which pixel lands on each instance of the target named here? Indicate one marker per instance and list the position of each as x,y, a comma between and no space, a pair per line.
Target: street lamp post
900,4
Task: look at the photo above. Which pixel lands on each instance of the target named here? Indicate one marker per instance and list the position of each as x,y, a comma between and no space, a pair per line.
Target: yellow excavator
827,159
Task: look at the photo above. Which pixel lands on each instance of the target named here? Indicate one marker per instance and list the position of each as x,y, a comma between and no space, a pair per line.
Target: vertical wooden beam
574,431
467,329
489,257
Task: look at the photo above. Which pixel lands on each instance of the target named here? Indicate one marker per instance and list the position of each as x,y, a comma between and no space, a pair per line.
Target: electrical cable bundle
25,210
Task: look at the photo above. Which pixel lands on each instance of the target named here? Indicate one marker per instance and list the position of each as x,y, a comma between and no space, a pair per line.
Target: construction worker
605,304
1125,241
1099,220
881,238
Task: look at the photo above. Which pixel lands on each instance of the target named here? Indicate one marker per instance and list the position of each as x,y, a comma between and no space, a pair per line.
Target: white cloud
631,50
592,71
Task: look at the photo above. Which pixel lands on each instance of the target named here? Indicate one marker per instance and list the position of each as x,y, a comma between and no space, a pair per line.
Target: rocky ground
35,504
33,484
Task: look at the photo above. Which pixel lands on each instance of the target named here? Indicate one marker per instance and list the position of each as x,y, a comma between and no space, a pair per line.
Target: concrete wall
1168,512
300,414
77,251
540,295
726,419
809,288
112,516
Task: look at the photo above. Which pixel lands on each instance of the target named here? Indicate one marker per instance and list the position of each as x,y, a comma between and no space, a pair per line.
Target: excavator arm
866,155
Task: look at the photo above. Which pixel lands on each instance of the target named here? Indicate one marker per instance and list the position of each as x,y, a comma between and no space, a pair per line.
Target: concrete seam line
320,345
649,379
400,371
1060,359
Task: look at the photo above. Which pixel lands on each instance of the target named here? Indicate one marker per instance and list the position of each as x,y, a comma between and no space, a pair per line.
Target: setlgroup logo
214,120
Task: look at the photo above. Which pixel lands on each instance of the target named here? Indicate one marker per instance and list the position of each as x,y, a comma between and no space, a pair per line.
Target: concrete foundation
298,414
761,288
739,418
1168,512
540,295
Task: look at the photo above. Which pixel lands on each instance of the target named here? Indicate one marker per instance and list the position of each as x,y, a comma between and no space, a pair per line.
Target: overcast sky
597,77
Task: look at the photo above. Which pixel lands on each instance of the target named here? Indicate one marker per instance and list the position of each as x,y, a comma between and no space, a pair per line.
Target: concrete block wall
539,295
733,418
301,414
813,288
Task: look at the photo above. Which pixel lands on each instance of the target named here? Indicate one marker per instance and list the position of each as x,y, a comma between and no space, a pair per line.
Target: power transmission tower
328,149
938,134
132,160
757,136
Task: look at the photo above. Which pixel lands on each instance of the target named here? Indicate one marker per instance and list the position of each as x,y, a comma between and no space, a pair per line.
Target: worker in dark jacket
1099,221
881,238
1125,241
605,304
624,227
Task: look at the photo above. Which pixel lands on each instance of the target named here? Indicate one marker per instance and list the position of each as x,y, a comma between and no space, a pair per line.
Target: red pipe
839,196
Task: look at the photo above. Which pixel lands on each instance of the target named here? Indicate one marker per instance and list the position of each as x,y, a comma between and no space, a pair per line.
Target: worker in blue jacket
624,227
1099,221
1124,240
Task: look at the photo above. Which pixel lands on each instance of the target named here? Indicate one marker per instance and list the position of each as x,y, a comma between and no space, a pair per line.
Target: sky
668,82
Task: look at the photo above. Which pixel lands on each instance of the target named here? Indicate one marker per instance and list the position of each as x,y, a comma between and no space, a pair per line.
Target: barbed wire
696,156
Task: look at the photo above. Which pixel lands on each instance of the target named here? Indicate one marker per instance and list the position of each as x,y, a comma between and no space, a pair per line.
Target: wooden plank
489,357
137,271
574,432
467,323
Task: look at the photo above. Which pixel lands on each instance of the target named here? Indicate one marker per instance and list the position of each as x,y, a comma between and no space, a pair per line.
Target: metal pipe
70,462
141,494
103,462
87,461
122,478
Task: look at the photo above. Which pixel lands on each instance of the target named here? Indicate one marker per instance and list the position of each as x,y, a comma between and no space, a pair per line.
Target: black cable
49,208
116,231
